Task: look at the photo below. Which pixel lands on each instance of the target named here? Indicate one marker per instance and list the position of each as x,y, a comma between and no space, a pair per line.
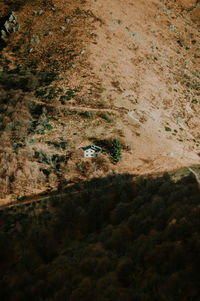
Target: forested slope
105,239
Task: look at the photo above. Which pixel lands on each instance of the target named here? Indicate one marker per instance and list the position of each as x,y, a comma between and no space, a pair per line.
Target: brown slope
146,56
136,56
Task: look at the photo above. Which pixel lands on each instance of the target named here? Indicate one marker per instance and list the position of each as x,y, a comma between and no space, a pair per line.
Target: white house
91,151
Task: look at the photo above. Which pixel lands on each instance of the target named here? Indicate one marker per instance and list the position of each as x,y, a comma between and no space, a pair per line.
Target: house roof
95,148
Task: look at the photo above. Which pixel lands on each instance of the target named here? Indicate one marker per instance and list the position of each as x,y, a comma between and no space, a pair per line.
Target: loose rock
67,20
11,18
3,34
7,26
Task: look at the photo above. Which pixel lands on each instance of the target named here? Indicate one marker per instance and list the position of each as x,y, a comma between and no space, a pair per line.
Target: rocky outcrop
11,25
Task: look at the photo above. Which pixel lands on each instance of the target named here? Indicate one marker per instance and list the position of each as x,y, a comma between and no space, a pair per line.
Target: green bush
106,117
116,150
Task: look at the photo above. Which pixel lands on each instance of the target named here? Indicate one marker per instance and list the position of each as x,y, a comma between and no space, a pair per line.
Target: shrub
106,117
116,150
87,114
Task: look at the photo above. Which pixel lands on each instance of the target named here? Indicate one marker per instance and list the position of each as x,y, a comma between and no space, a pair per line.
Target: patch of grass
52,93
63,98
35,109
194,101
71,93
43,124
167,129
16,146
41,92
106,117
193,85
87,114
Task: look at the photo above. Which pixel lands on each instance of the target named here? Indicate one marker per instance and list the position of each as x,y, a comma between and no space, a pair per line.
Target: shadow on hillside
111,238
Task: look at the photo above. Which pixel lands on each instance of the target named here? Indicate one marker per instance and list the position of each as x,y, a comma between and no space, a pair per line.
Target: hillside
105,239
123,75
77,72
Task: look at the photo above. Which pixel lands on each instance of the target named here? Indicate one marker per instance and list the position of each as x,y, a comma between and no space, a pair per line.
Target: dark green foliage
40,92
35,109
71,93
63,98
43,124
106,117
52,93
111,146
116,150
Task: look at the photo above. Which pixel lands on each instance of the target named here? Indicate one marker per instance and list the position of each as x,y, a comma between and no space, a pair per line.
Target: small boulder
67,20
3,34
7,26
11,18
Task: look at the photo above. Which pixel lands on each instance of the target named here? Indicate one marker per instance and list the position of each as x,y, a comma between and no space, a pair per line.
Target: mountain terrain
74,73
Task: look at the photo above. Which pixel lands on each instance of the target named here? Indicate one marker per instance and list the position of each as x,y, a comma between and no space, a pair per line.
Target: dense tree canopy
94,242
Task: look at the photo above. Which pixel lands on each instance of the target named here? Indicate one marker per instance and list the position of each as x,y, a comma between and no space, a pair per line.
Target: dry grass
112,73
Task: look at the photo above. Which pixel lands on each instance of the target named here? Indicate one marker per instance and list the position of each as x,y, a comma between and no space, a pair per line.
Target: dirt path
85,108
23,202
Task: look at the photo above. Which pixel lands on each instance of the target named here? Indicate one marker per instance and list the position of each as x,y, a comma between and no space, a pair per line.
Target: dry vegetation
71,73
95,241
45,119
